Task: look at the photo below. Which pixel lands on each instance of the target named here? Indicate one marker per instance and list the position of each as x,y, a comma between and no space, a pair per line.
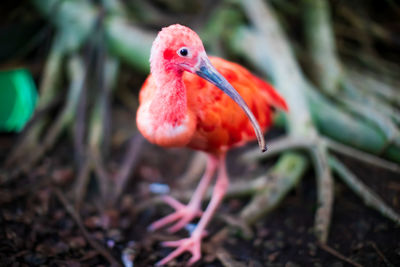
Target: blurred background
79,184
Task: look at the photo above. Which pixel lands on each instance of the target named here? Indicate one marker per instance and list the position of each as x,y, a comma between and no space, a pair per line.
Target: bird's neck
170,103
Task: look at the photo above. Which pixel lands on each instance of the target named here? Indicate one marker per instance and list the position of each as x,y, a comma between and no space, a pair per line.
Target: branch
360,155
366,194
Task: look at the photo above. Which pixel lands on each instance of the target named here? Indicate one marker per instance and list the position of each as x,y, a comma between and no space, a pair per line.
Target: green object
18,97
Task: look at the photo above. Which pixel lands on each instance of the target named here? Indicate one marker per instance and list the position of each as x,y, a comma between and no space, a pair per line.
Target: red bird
189,100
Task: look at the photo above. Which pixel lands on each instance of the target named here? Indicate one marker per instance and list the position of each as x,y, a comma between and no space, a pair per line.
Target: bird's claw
183,215
191,244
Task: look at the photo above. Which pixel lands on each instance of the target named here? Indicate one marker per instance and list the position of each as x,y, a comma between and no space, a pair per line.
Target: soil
37,230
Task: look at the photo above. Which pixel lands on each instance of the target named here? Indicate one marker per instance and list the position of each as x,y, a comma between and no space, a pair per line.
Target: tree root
313,118
367,195
48,88
330,76
65,118
381,255
362,156
325,188
128,165
285,143
276,59
282,178
338,255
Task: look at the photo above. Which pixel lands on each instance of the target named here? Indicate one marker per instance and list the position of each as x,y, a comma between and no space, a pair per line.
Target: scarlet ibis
189,100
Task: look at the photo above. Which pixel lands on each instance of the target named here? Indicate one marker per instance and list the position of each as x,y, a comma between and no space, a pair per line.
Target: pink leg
193,243
184,214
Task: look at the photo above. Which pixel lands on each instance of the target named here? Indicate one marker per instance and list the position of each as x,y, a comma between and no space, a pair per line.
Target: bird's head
177,48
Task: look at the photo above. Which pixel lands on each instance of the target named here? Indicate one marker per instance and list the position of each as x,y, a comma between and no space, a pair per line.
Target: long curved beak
207,71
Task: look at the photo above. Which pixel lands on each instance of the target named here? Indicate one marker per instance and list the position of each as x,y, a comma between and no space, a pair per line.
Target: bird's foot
183,215
191,244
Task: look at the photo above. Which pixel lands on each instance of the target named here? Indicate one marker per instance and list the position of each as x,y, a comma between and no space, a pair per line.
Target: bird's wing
220,121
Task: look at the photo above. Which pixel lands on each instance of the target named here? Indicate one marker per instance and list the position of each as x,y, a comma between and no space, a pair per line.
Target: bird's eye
183,52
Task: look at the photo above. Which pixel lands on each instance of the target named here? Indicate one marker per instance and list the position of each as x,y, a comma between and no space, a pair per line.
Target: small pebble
190,227
114,234
92,222
159,189
110,243
128,257
77,242
62,176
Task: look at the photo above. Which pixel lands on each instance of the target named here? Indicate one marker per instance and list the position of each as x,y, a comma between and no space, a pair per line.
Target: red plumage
220,122
207,104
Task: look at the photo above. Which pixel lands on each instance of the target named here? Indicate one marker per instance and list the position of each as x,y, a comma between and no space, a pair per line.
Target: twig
387,262
94,54
130,160
338,255
226,259
369,197
80,120
75,216
360,155
277,146
99,129
196,166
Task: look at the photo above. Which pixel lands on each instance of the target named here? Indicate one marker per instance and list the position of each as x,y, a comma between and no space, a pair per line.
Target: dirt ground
37,227
37,230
